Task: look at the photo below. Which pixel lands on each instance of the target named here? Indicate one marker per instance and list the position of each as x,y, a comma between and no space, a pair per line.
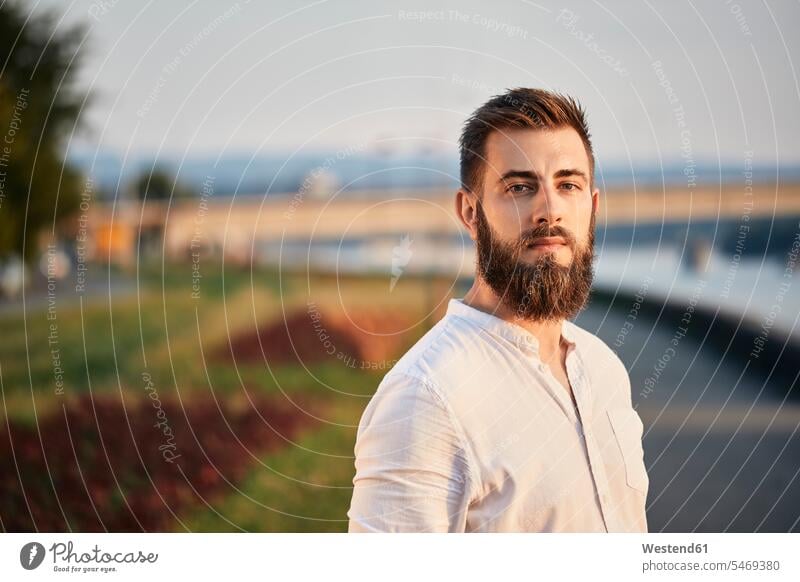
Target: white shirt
469,431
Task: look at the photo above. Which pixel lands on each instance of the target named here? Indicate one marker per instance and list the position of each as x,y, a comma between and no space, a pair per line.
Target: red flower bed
313,336
98,466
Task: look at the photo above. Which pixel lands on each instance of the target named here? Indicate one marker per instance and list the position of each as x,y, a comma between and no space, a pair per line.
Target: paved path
722,447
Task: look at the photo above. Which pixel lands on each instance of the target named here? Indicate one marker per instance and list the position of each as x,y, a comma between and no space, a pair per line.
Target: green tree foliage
158,184
39,110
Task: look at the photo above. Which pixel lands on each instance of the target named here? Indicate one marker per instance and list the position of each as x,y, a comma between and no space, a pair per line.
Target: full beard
541,291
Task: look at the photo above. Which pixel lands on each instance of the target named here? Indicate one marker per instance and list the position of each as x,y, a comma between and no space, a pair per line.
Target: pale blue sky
338,74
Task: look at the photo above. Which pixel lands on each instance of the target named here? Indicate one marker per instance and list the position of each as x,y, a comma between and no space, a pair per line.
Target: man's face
535,223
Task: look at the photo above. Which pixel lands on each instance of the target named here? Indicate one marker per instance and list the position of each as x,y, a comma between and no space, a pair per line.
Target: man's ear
466,210
596,200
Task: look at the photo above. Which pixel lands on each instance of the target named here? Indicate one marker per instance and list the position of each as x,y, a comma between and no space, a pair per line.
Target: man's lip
551,240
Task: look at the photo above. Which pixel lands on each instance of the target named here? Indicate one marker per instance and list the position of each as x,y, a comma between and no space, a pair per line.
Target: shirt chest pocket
628,430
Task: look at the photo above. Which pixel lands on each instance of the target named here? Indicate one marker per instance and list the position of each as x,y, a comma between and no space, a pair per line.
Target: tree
158,184
39,108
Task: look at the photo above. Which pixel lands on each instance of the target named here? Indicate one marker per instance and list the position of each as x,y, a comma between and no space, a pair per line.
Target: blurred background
221,223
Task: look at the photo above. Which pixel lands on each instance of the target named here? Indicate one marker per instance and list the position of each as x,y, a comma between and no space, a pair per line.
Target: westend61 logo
66,559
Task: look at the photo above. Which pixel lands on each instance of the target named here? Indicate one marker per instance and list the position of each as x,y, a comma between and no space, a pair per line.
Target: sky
661,81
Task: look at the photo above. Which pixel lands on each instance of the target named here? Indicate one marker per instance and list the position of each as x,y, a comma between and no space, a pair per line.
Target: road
721,439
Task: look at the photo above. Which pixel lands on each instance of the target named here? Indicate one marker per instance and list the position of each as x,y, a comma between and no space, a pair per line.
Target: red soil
86,474
311,337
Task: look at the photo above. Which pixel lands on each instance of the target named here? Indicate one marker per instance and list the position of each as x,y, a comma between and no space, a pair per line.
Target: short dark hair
517,108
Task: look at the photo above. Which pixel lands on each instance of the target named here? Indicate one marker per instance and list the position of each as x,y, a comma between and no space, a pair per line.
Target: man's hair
515,109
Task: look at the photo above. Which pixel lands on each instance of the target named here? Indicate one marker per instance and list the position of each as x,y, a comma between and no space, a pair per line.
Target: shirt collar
511,331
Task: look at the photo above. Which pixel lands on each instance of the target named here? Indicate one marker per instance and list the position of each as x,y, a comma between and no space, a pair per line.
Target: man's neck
482,297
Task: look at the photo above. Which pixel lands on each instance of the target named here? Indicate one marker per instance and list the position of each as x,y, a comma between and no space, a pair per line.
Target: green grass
306,487
105,345
162,330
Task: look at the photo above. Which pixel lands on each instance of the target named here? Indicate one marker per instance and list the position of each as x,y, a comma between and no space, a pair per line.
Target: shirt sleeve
411,470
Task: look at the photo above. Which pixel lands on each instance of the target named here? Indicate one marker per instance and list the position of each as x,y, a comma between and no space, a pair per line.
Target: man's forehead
528,148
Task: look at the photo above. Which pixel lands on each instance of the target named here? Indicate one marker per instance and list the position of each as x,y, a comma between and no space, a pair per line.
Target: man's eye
520,189
570,186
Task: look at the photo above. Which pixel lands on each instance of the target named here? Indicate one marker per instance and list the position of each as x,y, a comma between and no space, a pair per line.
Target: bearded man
506,416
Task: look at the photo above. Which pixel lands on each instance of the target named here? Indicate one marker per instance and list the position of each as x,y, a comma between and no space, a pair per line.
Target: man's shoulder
437,352
597,351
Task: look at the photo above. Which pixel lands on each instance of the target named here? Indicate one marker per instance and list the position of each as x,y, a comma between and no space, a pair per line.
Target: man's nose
549,207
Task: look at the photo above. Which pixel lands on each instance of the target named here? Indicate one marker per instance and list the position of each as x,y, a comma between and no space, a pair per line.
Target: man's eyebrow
569,172
533,176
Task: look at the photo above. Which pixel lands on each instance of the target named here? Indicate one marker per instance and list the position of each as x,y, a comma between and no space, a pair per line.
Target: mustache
545,231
